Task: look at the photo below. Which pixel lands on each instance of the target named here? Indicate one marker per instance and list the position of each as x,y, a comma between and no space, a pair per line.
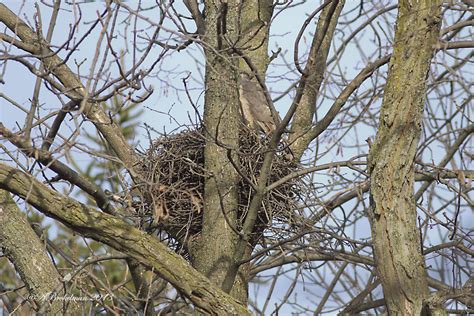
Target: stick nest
174,176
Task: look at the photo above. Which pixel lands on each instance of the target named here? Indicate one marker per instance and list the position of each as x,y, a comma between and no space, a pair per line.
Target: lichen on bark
397,246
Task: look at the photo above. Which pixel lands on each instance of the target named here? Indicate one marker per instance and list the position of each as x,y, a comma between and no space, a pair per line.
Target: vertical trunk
392,213
214,252
255,18
246,24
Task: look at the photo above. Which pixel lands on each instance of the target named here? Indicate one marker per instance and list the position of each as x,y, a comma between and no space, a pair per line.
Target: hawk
254,105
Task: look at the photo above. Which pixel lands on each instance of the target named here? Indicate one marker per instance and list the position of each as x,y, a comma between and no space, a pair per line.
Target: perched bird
254,105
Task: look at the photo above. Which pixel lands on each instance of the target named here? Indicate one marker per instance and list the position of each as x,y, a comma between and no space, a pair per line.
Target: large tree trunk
245,24
214,252
396,239
255,18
